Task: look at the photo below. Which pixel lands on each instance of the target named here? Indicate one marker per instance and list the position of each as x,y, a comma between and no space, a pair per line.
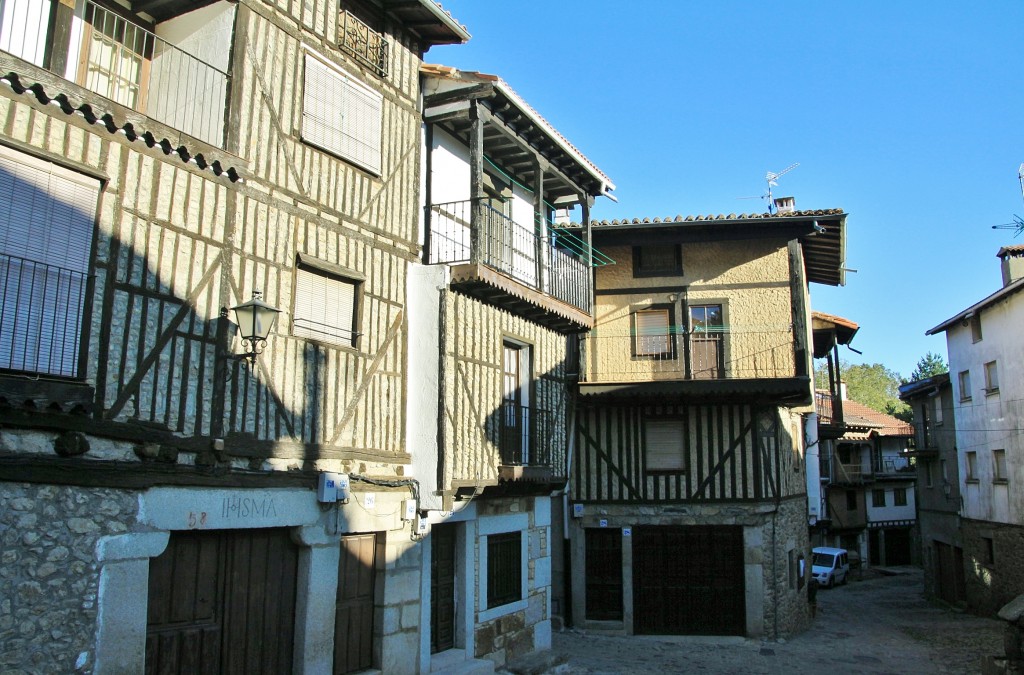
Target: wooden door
442,588
706,332
223,601
604,574
353,617
679,573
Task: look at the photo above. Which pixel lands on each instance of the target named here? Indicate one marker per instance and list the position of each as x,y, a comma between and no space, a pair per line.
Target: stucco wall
750,279
990,585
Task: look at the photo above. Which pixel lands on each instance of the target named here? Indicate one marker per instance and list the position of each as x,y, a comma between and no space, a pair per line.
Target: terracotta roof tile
731,216
1015,250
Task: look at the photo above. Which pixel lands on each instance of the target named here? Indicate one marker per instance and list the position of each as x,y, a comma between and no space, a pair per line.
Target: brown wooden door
223,601
706,331
353,617
442,588
681,572
604,574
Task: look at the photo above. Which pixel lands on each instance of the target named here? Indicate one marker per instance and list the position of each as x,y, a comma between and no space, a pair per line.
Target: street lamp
255,321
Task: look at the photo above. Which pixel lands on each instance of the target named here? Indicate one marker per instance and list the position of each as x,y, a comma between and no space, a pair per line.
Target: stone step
454,662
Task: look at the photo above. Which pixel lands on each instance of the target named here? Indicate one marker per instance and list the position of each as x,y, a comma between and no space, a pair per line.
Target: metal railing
129,65
41,308
894,465
525,435
511,248
733,353
363,43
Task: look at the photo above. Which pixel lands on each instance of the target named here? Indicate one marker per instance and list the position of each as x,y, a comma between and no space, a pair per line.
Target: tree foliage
873,385
930,365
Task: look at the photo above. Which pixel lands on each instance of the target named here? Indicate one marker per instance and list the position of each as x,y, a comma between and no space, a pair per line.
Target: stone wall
48,575
527,630
990,585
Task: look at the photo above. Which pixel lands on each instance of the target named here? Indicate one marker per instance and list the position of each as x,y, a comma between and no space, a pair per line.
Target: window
359,35
972,467
504,569
999,474
925,426
653,332
988,551
899,497
44,278
341,115
851,500
965,385
663,445
326,304
707,329
519,421
991,378
657,260
929,470
938,410
976,328
878,498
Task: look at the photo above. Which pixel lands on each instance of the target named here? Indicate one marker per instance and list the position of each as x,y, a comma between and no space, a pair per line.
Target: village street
878,624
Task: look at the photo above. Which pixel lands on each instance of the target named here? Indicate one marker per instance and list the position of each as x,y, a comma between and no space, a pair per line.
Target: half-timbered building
689,503
162,162
499,294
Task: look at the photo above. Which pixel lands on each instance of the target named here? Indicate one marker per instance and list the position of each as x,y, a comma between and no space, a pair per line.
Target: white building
986,366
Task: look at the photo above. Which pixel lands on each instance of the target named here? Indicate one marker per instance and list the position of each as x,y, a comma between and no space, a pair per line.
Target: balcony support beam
539,221
58,41
476,180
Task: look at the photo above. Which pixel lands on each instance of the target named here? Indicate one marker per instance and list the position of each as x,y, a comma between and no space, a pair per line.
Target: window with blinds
325,307
46,228
663,445
653,332
341,115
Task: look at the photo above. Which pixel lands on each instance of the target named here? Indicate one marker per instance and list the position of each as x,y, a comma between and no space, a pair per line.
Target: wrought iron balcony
127,64
363,43
726,354
41,310
526,435
533,257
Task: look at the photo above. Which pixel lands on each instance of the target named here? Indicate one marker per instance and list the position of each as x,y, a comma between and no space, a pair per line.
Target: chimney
1012,263
785,204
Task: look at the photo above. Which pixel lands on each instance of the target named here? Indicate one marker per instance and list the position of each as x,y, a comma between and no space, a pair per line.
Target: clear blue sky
907,115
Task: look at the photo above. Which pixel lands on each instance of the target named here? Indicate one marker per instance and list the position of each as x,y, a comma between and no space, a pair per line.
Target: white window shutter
664,445
324,307
652,332
341,115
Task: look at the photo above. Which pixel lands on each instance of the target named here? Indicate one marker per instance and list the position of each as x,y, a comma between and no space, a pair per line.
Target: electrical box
409,509
577,510
343,487
327,487
420,525
331,487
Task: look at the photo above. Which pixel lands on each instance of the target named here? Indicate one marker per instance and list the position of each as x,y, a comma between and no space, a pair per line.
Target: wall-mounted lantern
255,321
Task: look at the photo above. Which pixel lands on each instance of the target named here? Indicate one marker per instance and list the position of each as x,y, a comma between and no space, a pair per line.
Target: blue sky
909,116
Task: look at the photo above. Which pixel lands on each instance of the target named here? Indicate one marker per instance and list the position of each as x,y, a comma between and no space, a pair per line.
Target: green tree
930,365
873,385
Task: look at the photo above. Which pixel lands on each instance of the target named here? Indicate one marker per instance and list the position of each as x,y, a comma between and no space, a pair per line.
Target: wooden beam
462,94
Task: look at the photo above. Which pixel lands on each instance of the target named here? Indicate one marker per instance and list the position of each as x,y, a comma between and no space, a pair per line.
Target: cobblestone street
878,624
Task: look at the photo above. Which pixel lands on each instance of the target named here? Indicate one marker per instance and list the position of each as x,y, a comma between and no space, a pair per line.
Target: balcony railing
894,465
849,473
129,65
699,355
363,43
525,436
41,309
516,250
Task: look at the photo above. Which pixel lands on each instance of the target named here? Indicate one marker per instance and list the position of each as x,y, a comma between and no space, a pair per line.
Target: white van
830,566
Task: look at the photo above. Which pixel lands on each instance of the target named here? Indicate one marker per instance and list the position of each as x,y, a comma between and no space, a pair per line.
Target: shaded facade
938,486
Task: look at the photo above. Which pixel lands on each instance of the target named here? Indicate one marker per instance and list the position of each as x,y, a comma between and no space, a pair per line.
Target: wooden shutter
664,445
341,115
324,307
46,225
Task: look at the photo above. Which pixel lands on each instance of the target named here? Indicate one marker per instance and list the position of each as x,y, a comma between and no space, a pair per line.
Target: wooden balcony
522,268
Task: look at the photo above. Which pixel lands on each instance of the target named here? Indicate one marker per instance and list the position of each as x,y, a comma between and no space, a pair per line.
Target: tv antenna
1018,222
772,179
